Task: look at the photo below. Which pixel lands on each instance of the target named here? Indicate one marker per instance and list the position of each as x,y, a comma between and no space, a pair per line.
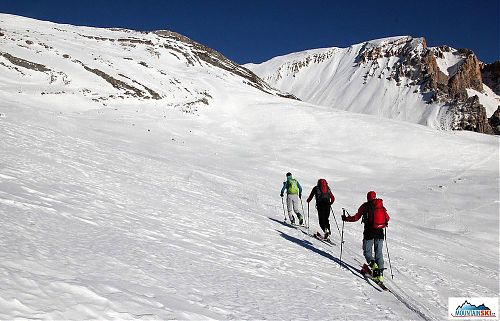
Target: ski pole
283,203
342,237
308,224
387,248
331,209
302,204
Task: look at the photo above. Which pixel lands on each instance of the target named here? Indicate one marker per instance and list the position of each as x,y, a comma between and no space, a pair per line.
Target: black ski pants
324,216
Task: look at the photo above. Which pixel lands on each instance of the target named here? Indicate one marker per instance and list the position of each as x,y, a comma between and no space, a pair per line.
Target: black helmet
288,174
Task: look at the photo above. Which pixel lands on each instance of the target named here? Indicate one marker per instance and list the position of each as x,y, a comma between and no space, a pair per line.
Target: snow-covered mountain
43,61
399,78
115,204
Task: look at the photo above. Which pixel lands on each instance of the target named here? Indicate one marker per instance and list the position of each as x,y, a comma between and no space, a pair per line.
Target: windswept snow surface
141,211
150,213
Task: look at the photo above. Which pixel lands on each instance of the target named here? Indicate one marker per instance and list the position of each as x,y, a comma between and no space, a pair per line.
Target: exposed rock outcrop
469,115
433,80
495,121
491,76
24,63
418,64
468,75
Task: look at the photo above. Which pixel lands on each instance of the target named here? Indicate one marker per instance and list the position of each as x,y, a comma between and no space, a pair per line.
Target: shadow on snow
310,246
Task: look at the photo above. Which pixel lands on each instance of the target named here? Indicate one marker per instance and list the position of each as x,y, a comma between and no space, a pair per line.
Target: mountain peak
388,47
107,66
396,77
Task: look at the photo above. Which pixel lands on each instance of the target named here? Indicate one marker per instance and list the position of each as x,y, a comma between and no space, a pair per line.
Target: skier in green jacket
293,193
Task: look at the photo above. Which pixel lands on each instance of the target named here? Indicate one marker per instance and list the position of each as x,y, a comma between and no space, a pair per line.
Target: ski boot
373,265
301,220
378,276
327,234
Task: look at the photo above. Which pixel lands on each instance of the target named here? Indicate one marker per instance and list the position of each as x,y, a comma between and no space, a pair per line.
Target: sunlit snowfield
137,210
151,213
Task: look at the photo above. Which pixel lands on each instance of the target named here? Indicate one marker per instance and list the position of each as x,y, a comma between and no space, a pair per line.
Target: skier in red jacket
375,218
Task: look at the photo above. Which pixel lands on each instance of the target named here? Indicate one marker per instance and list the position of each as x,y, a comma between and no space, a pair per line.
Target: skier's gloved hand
344,218
300,195
281,194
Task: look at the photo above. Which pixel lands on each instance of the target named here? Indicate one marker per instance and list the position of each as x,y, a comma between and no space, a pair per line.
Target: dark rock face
495,121
24,63
443,87
433,80
469,115
468,75
418,63
491,76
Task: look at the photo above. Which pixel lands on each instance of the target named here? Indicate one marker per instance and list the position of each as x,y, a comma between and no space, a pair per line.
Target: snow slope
361,78
60,64
146,212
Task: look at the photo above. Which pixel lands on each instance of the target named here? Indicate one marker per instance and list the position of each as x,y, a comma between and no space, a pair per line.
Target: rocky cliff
399,77
491,76
419,64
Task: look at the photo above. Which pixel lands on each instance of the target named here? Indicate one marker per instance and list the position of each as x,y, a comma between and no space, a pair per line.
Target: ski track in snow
140,211
143,234
121,224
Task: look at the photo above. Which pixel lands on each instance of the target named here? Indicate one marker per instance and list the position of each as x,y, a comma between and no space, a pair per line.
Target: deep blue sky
257,30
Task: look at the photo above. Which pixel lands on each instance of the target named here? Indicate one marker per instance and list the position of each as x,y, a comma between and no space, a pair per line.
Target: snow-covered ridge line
396,77
112,66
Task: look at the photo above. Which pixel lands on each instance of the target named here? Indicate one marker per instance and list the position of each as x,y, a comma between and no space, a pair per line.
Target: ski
293,224
298,225
367,273
318,236
383,287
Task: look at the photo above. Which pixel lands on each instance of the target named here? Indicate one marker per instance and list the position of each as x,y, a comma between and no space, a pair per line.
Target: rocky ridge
443,78
490,74
418,65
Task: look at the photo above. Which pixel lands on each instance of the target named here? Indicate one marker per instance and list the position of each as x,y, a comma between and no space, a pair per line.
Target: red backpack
322,192
375,215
